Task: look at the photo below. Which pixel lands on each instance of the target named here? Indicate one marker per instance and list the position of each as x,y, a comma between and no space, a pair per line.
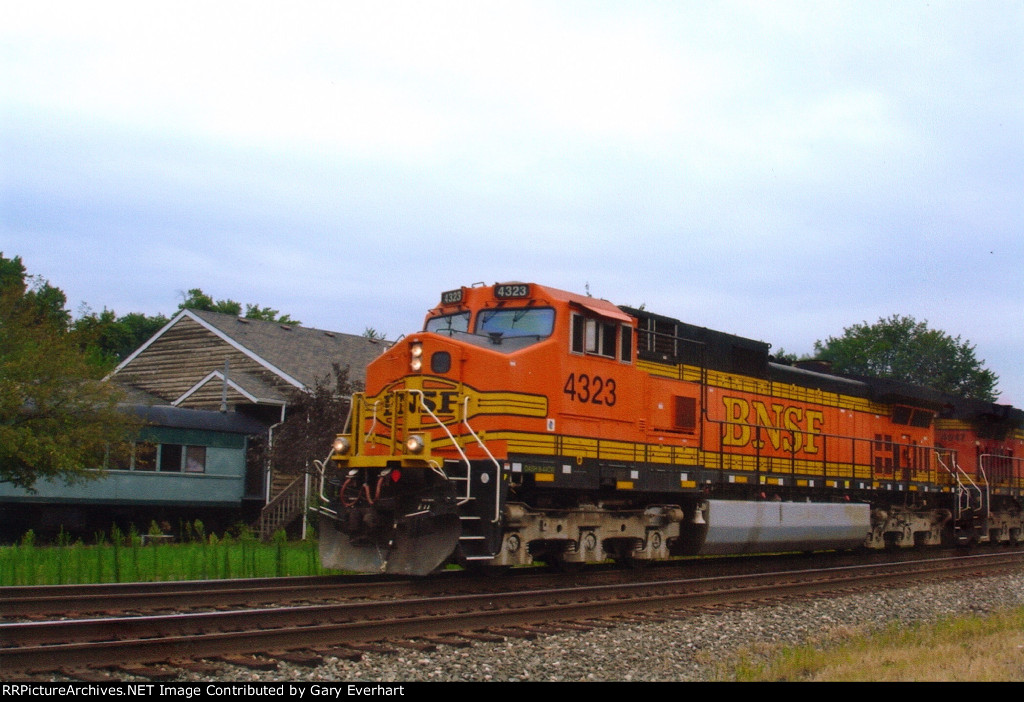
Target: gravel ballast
674,649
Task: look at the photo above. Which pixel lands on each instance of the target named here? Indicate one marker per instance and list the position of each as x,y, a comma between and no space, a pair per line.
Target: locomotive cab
415,479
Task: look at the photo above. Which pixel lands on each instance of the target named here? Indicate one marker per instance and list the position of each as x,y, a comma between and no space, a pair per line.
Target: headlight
416,351
341,445
415,444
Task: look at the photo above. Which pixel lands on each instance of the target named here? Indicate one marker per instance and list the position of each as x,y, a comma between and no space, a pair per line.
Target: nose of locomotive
422,354
429,355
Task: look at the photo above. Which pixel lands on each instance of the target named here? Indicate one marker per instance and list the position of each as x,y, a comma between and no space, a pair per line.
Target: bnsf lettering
436,401
442,402
789,428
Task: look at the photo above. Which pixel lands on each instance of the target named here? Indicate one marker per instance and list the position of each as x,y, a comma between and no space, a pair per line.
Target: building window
149,456
170,458
176,458
144,456
119,456
195,459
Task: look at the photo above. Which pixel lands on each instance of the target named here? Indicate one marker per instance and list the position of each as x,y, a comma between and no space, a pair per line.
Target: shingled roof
303,353
199,356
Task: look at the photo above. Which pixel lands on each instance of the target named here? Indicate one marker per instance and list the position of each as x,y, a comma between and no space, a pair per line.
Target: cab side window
599,337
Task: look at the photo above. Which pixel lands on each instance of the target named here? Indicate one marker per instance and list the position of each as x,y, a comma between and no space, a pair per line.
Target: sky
778,170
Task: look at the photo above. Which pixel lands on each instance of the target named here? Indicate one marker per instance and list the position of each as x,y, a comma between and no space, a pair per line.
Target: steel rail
69,601
41,646
22,601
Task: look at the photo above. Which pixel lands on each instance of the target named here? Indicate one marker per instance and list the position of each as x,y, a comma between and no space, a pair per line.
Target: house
210,361
184,465
207,385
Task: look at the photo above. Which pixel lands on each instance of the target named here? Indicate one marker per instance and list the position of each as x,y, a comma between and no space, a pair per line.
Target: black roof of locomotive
705,347
725,352
980,411
818,377
729,353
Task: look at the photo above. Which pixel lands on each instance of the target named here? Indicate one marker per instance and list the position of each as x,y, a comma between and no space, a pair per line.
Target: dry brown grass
988,649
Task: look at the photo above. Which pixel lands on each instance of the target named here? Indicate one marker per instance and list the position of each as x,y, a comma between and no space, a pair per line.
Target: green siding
193,437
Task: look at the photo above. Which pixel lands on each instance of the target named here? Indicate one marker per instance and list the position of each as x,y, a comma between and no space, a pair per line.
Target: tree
109,339
56,415
198,300
315,416
785,356
35,297
901,348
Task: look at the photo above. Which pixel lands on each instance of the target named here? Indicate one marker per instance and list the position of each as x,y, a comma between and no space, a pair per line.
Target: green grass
119,557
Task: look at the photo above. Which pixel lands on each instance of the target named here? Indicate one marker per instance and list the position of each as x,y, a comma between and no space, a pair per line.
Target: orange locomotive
527,423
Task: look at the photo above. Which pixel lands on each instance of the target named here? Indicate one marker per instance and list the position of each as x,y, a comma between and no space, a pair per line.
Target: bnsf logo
786,427
436,401
444,404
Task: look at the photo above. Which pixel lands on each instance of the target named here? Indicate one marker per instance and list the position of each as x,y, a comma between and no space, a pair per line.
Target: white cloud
716,160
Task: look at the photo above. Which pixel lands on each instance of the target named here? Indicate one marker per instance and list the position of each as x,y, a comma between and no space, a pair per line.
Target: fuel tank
759,527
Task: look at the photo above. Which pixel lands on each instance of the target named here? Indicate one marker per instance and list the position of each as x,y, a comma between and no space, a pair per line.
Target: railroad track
74,601
124,599
345,628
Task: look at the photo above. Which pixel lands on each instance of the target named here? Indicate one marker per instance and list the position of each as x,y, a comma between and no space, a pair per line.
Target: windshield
449,324
508,323
503,329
